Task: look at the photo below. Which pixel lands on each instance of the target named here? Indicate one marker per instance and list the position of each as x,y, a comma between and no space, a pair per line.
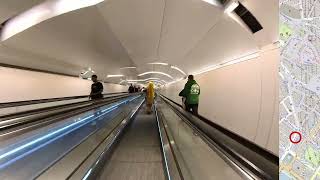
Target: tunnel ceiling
10,8
189,34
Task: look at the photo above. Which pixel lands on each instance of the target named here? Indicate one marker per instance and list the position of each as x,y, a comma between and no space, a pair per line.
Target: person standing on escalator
96,88
131,89
190,94
150,97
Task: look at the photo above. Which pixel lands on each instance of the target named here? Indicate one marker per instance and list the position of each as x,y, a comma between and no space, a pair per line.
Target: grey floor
138,156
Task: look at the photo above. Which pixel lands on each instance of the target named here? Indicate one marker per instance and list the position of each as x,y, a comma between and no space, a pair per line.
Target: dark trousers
193,108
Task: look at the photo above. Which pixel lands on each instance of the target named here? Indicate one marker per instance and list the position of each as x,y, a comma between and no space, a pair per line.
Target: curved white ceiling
189,34
41,12
10,8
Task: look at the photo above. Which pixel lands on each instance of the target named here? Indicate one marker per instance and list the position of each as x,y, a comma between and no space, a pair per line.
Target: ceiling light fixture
156,72
135,80
180,79
213,2
231,6
155,81
227,63
129,67
42,12
152,79
159,63
114,75
178,69
146,80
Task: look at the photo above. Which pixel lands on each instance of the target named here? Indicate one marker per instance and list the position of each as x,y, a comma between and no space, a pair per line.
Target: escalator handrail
242,160
175,168
68,113
49,108
107,151
259,150
39,101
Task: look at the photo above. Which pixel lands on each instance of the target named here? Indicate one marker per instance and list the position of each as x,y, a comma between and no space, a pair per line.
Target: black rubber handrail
50,108
38,101
247,158
36,122
161,124
270,156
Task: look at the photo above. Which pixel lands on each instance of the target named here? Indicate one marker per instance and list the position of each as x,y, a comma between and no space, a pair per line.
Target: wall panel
19,85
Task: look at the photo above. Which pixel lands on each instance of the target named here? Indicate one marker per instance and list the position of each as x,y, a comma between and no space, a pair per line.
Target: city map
299,123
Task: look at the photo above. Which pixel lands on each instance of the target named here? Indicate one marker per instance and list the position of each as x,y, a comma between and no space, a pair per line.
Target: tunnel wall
19,85
242,97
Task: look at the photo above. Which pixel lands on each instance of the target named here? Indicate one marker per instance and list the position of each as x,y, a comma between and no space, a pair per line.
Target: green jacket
191,92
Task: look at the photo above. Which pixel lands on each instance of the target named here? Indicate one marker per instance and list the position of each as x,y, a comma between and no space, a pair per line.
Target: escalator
30,154
138,154
117,139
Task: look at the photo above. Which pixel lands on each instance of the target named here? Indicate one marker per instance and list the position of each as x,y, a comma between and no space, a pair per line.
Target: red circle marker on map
295,137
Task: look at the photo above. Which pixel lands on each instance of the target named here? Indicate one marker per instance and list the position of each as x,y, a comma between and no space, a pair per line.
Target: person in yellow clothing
150,96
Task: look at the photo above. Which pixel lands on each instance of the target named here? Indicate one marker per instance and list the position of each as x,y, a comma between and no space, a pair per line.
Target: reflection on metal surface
249,163
105,148
87,175
172,167
76,166
19,150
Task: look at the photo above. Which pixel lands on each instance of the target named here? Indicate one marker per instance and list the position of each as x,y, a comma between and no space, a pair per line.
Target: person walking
190,95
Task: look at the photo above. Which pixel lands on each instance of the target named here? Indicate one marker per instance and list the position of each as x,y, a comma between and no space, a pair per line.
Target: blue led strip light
47,140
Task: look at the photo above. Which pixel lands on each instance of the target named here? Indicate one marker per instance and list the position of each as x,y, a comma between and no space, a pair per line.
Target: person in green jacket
191,92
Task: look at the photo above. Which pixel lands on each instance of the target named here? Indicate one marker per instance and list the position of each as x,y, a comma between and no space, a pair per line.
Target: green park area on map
285,31
313,156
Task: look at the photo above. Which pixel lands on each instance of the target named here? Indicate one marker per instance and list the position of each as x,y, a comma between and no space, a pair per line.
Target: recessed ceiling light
129,67
42,12
178,69
231,6
115,75
159,63
155,72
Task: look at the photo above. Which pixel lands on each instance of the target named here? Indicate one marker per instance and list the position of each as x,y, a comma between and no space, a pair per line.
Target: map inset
300,89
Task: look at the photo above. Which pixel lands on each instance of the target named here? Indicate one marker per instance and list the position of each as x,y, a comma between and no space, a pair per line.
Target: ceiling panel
81,38
137,24
226,41
186,22
191,34
9,8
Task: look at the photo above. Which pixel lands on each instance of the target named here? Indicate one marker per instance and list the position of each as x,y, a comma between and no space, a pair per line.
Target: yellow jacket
150,93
